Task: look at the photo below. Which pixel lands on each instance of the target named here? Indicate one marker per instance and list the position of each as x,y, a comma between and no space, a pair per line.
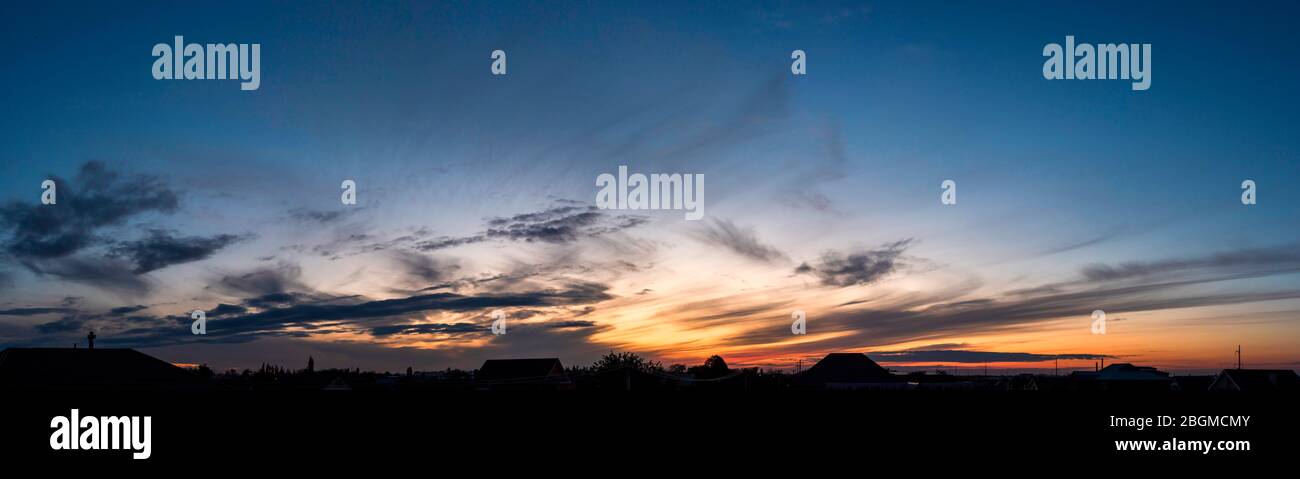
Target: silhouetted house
1252,380
545,373
1122,377
849,371
61,369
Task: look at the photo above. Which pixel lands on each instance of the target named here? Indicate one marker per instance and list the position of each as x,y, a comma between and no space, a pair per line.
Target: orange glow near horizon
688,319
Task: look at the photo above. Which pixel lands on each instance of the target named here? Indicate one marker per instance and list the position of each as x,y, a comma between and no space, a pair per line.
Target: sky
477,192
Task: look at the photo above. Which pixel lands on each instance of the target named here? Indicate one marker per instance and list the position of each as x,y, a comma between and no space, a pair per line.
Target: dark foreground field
569,428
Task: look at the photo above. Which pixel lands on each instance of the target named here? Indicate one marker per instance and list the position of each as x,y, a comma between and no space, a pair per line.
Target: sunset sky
477,192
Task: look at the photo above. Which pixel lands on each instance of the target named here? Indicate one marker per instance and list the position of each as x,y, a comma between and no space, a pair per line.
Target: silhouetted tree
626,360
713,368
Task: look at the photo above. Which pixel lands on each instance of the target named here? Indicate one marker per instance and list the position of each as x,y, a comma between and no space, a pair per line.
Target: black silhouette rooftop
91,369
1257,380
847,368
521,369
1123,372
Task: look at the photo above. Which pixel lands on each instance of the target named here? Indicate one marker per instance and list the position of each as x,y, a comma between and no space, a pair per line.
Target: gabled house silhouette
849,371
544,373
1251,380
1122,376
60,369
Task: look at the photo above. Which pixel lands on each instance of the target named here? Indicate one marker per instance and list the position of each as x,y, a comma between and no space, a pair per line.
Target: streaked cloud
739,240
858,268
160,249
965,356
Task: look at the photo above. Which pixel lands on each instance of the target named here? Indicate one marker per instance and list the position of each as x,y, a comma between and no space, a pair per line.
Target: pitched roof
1262,379
542,369
92,369
847,368
1129,372
1122,372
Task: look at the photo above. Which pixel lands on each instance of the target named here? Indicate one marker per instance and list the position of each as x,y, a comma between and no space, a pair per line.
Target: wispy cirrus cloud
160,249
109,274
307,215
857,268
739,240
33,311
424,268
1248,262
562,223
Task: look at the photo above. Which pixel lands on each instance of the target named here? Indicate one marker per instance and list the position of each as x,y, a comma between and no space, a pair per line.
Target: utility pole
1238,356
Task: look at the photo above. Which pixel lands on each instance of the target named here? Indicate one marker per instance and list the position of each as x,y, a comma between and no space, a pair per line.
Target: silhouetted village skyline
128,369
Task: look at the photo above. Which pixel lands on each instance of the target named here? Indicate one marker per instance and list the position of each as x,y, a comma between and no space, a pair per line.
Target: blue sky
1054,177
